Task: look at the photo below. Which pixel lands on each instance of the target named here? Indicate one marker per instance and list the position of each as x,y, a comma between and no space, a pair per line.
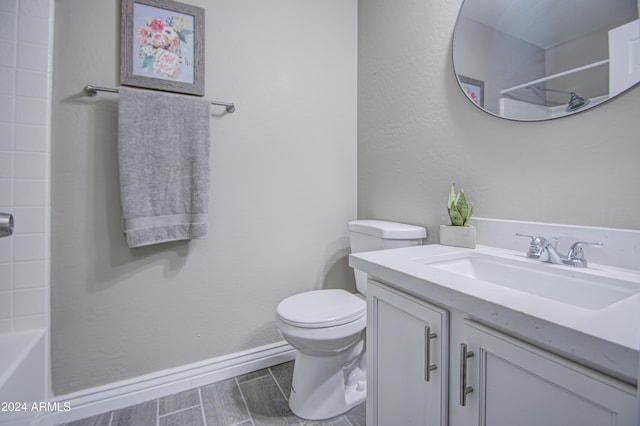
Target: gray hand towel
163,151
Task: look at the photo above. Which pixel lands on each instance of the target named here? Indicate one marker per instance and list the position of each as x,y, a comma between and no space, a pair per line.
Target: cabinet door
515,383
407,356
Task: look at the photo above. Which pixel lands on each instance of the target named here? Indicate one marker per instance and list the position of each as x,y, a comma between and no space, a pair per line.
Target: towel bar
91,90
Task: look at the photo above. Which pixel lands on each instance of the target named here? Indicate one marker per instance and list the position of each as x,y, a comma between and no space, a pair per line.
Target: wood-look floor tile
283,374
266,403
189,417
223,404
178,401
354,417
100,420
253,375
143,414
336,421
358,415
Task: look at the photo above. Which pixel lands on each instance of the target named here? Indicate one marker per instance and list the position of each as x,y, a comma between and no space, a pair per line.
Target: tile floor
258,398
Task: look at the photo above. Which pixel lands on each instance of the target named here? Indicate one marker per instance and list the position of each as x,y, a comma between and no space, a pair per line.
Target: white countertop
607,339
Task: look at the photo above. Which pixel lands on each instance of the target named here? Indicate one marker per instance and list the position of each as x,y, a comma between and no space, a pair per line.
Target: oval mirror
538,60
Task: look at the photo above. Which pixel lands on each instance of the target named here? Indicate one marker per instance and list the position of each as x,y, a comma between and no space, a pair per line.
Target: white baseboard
114,396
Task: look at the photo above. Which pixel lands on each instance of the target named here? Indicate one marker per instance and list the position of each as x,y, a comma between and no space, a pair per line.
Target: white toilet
327,327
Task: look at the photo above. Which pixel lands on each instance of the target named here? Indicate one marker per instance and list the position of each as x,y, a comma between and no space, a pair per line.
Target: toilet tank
370,235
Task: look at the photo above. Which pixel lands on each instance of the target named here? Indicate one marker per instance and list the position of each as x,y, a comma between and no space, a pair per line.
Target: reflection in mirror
529,61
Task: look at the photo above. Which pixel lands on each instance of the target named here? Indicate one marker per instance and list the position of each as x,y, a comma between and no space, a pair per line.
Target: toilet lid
321,308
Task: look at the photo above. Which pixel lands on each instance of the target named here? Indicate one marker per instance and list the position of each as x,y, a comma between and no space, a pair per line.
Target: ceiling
549,23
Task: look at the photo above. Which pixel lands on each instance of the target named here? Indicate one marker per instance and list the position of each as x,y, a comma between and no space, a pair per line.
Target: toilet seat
321,308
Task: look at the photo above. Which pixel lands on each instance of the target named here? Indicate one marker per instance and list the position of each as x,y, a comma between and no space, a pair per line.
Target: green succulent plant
459,210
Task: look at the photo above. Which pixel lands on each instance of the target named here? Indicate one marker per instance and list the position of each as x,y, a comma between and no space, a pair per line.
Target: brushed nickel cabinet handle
464,389
428,367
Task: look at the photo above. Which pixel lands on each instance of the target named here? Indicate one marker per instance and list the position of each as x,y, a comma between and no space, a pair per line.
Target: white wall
417,133
282,191
24,162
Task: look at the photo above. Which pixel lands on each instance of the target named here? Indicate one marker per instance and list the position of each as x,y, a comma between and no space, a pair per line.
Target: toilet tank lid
387,230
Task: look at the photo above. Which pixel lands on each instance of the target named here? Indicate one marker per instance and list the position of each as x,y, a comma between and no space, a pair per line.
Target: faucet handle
534,240
575,257
536,246
575,251
524,235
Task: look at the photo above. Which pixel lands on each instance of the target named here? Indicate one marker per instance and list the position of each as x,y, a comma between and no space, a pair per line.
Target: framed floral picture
473,88
162,46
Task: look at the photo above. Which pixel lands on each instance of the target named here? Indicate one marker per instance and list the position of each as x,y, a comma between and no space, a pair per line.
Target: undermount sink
573,287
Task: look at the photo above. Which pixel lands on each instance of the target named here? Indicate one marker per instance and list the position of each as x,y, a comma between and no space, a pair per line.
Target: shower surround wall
24,162
283,187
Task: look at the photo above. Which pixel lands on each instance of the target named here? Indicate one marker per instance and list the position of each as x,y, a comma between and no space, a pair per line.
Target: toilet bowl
328,378
327,328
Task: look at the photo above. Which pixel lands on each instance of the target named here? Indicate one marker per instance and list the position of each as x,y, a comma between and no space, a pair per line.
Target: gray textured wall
283,187
417,133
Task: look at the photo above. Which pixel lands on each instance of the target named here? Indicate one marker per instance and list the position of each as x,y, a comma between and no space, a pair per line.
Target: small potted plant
459,233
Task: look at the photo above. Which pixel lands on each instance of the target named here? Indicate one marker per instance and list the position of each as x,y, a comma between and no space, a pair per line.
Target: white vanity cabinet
407,358
508,381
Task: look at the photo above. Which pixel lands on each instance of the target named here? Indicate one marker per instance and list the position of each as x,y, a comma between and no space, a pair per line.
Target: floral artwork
163,44
473,94
473,88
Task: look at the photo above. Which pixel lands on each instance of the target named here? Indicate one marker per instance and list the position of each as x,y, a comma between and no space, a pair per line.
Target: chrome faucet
541,249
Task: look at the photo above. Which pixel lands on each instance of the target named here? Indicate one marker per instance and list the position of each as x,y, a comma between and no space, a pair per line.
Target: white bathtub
22,376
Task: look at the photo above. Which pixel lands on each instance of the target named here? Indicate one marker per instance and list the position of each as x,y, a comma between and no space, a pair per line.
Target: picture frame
473,88
162,46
